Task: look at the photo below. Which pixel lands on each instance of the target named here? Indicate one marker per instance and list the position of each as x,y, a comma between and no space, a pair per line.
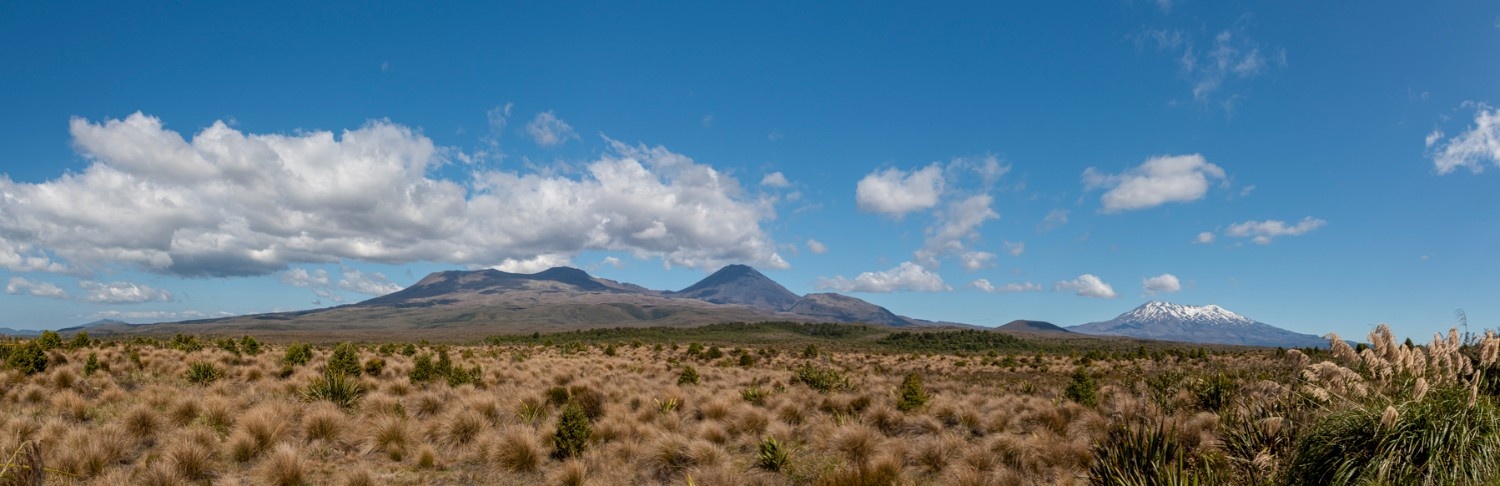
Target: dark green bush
249,345
374,366
28,358
92,364
689,376
573,432
80,340
49,340
422,369
297,354
344,360
1215,391
821,379
1082,389
911,395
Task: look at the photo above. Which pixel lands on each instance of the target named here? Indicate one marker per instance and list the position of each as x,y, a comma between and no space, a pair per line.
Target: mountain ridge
1208,324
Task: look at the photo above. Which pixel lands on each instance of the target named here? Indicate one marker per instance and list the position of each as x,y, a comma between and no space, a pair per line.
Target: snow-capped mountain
1197,324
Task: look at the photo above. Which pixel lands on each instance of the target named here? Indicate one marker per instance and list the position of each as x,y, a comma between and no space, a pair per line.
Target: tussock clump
325,423
285,467
519,450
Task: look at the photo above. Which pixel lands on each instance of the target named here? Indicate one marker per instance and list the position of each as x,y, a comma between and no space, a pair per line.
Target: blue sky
1305,164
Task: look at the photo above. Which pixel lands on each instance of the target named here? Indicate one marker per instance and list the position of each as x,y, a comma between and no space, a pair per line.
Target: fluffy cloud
372,283
1055,219
1161,284
299,277
1160,180
122,293
548,130
1204,238
907,276
1470,149
975,260
775,179
21,286
1086,285
1262,232
137,316
227,203
817,247
984,285
955,228
895,192
535,264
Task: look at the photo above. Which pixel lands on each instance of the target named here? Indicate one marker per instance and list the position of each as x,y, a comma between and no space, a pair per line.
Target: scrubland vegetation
838,407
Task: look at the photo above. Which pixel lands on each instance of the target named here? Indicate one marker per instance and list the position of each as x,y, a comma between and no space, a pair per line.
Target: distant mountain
483,302
843,308
740,284
1032,326
5,331
1197,324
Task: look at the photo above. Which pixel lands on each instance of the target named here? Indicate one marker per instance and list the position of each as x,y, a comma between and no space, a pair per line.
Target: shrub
810,352
374,366
911,395
573,432
229,345
422,369
28,358
249,345
557,396
408,350
80,340
92,364
342,389
1082,389
694,349
609,350
49,340
1440,439
821,379
772,455
200,373
689,376
459,376
344,360
591,401
746,360
713,353
297,354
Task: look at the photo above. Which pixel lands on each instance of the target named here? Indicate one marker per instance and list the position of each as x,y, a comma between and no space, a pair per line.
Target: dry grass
985,423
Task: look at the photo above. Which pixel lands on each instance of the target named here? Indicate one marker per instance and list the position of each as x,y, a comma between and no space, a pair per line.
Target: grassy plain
770,403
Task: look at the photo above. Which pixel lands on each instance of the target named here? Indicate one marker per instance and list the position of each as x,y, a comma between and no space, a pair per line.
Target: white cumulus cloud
228,203
1161,284
370,283
895,192
984,285
1086,285
21,286
775,179
1204,238
907,276
122,293
1262,232
536,264
548,130
1160,180
1472,149
955,228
